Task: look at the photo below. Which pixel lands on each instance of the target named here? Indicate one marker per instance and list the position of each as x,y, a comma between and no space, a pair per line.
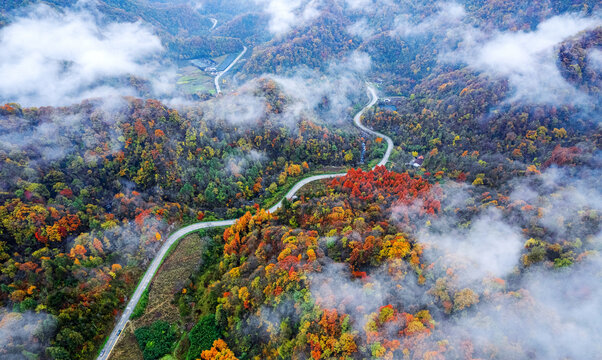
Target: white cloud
60,131
340,84
359,4
595,59
569,197
361,28
528,59
51,58
556,316
237,165
490,247
287,14
27,330
245,109
449,15
305,92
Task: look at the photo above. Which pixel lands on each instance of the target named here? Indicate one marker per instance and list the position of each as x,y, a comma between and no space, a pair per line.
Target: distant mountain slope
578,62
174,23
171,18
313,45
249,28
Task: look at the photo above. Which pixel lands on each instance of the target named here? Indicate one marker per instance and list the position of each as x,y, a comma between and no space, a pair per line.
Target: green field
193,81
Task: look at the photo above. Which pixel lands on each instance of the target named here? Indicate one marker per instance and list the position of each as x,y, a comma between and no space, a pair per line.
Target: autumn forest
152,154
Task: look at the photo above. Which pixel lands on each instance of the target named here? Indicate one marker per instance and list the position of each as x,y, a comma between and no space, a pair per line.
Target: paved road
214,21
148,276
358,122
218,89
154,266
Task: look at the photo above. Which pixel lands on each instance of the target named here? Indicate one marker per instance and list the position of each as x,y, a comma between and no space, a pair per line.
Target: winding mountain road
156,263
357,120
218,89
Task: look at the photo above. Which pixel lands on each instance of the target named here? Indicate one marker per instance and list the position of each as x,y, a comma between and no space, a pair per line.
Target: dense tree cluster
83,212
298,284
268,262
155,340
250,28
89,191
314,46
448,122
204,47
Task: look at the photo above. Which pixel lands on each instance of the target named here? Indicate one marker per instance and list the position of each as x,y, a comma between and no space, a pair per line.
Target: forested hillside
479,238
329,277
97,200
184,31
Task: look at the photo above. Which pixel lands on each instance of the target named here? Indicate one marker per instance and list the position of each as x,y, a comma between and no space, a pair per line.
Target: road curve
218,89
358,122
154,266
214,21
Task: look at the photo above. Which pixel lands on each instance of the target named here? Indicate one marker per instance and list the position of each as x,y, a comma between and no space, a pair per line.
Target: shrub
202,336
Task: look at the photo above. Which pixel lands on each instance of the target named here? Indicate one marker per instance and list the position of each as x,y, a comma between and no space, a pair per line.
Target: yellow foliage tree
293,170
465,298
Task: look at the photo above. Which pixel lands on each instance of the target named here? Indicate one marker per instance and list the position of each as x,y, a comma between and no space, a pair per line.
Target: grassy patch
194,81
173,275
126,348
183,260
102,346
182,347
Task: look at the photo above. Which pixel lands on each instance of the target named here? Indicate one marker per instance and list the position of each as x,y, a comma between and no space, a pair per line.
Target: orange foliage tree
219,351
